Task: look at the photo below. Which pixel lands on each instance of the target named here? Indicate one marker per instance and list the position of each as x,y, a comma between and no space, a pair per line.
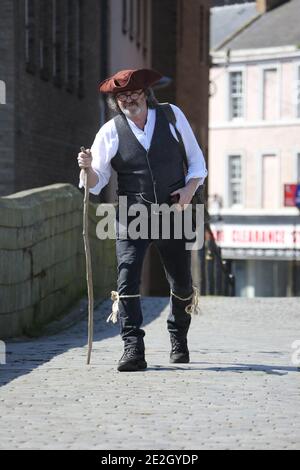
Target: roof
225,20
275,28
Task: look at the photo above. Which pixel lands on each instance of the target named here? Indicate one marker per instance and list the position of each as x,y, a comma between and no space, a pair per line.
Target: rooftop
275,28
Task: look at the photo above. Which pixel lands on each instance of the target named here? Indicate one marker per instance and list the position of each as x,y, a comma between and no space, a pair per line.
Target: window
145,28
57,42
73,46
298,92
124,16
70,42
79,47
59,39
180,14
138,23
45,39
30,35
235,180
131,20
236,95
270,94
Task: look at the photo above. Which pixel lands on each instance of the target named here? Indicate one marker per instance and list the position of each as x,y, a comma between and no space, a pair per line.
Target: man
142,146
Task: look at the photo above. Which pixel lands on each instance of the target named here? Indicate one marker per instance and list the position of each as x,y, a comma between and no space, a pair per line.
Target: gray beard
132,112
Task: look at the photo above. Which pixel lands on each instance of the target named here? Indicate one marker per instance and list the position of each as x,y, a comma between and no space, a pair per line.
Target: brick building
50,52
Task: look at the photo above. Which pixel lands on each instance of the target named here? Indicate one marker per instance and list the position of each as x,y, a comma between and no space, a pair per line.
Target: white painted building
255,143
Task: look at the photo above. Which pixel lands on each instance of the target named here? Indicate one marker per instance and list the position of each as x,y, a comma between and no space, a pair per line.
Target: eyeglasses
133,96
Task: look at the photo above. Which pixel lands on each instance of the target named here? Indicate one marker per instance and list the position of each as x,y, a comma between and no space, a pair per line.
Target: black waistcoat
154,174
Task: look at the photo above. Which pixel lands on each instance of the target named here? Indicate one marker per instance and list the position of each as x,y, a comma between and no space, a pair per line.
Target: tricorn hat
130,80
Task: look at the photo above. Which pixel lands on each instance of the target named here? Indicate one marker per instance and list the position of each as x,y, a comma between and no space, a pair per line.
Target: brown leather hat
130,80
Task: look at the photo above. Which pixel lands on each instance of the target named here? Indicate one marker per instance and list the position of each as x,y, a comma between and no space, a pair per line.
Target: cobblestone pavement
241,389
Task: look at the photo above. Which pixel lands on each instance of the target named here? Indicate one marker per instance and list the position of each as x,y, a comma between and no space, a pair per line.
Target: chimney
262,6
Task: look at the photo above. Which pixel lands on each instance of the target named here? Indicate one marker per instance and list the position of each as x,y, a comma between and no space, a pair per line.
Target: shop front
264,252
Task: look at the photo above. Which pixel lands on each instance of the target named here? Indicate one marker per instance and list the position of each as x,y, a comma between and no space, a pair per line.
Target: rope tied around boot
115,297
194,307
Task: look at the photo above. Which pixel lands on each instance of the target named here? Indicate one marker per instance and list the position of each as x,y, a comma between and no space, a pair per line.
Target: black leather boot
179,352
132,360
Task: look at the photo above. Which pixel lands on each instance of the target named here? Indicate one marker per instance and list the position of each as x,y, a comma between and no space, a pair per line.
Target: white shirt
106,143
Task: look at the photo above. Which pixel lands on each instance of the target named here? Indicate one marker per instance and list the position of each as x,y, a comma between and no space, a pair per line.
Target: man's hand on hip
185,196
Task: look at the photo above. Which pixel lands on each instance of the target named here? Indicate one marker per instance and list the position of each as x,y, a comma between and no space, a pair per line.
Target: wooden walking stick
89,277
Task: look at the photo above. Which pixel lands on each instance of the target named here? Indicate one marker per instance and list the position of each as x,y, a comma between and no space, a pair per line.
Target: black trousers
176,261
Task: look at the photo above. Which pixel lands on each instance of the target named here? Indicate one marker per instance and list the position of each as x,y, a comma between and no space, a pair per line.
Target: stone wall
42,259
